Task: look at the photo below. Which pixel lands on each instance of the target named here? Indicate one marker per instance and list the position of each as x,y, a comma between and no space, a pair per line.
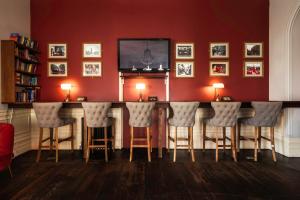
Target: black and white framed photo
57,51
92,50
253,69
219,50
219,68
184,50
57,69
253,50
91,69
184,69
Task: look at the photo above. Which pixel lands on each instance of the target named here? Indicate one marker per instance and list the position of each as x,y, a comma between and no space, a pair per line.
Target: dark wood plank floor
71,178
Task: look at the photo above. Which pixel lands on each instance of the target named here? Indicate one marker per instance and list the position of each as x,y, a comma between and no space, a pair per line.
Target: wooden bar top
165,104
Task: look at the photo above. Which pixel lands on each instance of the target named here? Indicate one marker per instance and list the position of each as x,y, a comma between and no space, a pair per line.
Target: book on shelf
26,55
25,67
23,79
26,95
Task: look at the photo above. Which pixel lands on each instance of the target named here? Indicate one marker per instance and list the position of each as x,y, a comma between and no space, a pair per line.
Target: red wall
200,21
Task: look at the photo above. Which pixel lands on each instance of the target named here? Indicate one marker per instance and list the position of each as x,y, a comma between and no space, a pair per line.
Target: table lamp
140,87
217,86
67,86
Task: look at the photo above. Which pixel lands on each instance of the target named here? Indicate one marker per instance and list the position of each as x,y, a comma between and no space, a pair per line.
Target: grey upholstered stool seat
47,115
183,115
98,115
266,115
225,115
140,115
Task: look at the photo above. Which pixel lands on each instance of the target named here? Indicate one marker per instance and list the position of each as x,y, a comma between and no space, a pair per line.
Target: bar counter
161,106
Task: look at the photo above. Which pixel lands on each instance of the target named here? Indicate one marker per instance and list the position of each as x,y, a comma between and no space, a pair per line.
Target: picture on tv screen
144,55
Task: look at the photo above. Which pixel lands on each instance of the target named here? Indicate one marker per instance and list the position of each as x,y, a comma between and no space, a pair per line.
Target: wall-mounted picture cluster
91,68
184,69
218,51
253,68
57,64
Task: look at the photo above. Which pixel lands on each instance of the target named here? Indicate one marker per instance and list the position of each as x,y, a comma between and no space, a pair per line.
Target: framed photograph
57,51
184,50
91,69
92,50
219,50
184,69
57,69
253,50
253,69
219,68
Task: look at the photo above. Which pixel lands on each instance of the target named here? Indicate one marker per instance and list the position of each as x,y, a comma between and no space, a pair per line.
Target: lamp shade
65,86
140,86
218,85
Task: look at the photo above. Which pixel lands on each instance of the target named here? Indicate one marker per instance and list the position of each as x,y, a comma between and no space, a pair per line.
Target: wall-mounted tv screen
144,55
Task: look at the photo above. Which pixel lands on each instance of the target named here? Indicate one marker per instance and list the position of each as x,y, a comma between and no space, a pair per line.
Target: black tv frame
139,70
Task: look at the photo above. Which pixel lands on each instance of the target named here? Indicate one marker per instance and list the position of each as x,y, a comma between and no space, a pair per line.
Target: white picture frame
92,50
92,69
57,51
57,69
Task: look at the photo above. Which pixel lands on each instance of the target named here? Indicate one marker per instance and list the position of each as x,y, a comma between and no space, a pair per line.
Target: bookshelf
19,78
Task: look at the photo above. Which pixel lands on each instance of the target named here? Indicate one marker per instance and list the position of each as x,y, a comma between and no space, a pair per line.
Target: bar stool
140,114
266,115
97,116
183,116
47,115
225,115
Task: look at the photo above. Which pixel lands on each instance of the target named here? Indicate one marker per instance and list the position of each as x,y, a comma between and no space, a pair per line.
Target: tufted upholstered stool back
183,114
140,113
225,114
47,114
96,114
266,114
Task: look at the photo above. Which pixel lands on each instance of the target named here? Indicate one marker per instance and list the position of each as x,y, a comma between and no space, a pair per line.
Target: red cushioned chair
6,146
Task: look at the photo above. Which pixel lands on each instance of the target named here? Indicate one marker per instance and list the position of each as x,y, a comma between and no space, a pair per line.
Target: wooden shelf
144,76
27,86
24,60
10,66
22,46
27,73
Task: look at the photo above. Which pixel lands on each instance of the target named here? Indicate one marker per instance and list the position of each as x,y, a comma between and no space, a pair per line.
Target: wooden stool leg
131,143
105,144
113,133
239,137
224,138
217,147
10,172
168,138
88,144
151,145
72,136
175,145
204,135
259,139
51,139
56,144
189,140
40,145
92,137
273,143
255,144
233,139
148,144
191,145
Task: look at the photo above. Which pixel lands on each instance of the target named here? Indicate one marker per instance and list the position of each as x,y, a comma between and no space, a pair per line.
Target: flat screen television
144,55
